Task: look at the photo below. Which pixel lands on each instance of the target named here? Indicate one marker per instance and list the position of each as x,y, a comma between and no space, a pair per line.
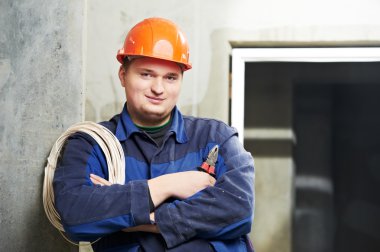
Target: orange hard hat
157,38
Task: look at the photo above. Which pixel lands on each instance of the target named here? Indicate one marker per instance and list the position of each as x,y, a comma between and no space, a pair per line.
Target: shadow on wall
47,231
104,113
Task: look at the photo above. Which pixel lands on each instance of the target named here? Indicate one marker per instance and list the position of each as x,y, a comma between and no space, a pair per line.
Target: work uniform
218,217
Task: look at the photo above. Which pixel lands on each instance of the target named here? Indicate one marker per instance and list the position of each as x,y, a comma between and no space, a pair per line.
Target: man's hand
96,180
179,185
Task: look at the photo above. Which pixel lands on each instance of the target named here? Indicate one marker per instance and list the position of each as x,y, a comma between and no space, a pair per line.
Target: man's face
152,87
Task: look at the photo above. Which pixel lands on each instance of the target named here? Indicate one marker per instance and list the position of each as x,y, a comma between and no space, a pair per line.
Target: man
167,203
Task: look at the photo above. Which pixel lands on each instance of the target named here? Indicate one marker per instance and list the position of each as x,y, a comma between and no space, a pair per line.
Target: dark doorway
337,159
337,165
334,111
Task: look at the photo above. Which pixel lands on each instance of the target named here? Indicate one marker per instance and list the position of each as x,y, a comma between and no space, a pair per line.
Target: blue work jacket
220,215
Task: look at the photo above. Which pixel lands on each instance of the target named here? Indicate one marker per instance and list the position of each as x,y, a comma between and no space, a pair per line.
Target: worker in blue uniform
167,203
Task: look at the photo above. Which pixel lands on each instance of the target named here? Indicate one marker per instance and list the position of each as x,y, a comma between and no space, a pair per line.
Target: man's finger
212,180
99,180
95,182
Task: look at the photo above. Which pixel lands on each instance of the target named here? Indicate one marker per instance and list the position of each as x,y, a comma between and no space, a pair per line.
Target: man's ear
122,75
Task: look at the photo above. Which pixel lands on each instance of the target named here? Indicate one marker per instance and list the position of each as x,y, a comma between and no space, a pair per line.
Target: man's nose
157,86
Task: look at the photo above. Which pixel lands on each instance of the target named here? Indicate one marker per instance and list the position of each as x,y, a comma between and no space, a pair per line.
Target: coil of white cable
111,148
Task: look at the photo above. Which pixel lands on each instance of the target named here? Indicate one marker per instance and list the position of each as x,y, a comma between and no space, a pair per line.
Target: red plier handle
205,167
208,166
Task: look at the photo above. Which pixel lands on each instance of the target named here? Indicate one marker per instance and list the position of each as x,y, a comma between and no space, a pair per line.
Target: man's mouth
155,100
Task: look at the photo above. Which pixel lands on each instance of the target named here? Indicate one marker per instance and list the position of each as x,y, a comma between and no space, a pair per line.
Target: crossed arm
219,210
179,185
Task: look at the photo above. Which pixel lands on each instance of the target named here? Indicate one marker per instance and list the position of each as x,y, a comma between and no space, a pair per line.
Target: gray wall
41,94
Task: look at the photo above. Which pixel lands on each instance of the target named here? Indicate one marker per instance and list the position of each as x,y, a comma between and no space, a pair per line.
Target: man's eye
147,75
171,78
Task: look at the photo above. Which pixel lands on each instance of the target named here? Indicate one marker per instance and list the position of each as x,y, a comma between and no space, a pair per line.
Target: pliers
208,166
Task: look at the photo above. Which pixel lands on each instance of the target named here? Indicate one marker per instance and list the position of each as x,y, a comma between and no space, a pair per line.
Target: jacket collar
125,126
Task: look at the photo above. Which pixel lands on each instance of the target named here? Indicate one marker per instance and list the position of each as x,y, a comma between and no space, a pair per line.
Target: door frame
241,56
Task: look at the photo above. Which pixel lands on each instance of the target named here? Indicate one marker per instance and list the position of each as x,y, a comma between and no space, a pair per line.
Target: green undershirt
153,129
157,133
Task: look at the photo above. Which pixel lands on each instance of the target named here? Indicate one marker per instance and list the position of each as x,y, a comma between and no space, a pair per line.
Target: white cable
111,148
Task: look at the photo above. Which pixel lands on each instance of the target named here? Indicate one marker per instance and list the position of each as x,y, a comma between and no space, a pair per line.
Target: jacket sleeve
224,211
90,211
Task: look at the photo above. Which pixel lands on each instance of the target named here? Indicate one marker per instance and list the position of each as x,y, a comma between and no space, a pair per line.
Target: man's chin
155,116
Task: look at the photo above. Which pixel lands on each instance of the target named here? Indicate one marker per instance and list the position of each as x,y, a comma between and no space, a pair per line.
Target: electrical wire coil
112,150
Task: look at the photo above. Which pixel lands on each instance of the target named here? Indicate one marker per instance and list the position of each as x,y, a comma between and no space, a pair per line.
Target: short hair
126,63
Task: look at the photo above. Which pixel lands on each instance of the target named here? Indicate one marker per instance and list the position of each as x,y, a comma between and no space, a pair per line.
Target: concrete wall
41,94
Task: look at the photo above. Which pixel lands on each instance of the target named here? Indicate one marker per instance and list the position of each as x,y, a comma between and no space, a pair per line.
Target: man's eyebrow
173,74
146,70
